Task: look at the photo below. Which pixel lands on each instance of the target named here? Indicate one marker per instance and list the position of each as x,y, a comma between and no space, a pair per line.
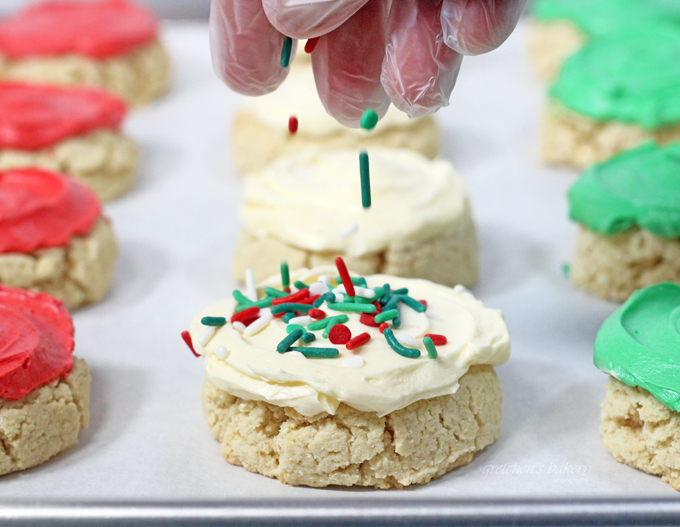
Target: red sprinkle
248,321
293,124
368,319
245,314
383,326
437,340
309,300
310,46
344,276
317,314
424,302
340,334
187,339
378,307
294,298
357,341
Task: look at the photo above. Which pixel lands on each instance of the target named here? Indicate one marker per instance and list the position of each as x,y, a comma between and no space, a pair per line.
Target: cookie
638,346
44,392
628,209
53,237
112,44
404,392
261,130
76,131
419,225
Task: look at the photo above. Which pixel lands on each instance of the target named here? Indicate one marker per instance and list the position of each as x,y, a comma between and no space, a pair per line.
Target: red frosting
99,29
41,209
36,341
34,117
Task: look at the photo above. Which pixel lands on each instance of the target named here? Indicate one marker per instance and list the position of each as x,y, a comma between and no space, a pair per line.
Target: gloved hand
371,52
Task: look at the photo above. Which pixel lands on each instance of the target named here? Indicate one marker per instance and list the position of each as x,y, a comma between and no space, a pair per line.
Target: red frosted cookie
71,130
111,43
43,391
53,237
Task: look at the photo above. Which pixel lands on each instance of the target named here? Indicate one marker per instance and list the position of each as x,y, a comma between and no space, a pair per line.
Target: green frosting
640,343
640,187
630,76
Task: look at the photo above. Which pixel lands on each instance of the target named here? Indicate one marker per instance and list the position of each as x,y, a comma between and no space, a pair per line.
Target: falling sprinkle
566,270
310,46
369,119
186,337
293,125
250,285
348,231
365,180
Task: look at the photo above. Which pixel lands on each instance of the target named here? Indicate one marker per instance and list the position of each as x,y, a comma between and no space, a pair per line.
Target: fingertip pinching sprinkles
365,172
286,51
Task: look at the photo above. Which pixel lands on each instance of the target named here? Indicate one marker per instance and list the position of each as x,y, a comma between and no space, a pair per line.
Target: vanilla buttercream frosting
381,381
308,200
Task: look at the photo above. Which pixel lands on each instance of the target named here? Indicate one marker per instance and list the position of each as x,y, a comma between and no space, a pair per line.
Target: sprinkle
207,334
367,319
396,346
293,125
325,278
317,314
292,327
413,304
402,291
300,285
424,302
397,321
263,302
308,337
386,294
285,274
310,46
222,352
365,180
270,291
394,301
390,314
303,320
286,343
357,341
310,300
239,326
348,231
351,308
438,340
408,340
429,346
295,297
383,327
283,308
364,292
344,276
318,288
566,270
356,280
316,326
286,51
369,119
339,334
246,313
317,353
250,285
187,340
287,317
355,361
213,321
240,297
259,324
332,321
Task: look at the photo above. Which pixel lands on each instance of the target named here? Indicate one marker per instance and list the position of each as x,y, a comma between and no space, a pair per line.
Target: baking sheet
148,442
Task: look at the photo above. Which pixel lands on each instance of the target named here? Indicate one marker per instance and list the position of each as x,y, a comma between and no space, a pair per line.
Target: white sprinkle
265,318
325,278
222,352
207,334
318,288
239,326
303,320
364,292
250,285
340,289
348,231
408,340
355,361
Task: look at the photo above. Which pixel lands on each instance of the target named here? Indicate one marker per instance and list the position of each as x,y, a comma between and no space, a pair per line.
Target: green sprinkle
292,327
352,308
356,280
410,353
270,291
362,300
308,337
289,316
300,285
213,321
365,180
319,324
429,346
386,294
317,353
396,323
286,51
291,339
566,270
285,274
241,298
317,303
386,315
332,321
369,119
289,306
394,301
402,291
413,304
263,302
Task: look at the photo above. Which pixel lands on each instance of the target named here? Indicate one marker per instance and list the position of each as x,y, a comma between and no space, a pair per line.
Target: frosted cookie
639,347
628,209
307,209
108,43
71,130
44,392
53,237
617,92
261,131
382,382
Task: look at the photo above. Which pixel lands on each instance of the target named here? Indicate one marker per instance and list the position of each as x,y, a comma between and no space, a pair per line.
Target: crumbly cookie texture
641,432
410,446
612,267
449,259
571,139
550,44
105,160
78,274
138,77
256,144
45,422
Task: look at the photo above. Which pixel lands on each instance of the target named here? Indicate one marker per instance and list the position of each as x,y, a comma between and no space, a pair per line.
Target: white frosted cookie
376,406
307,209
